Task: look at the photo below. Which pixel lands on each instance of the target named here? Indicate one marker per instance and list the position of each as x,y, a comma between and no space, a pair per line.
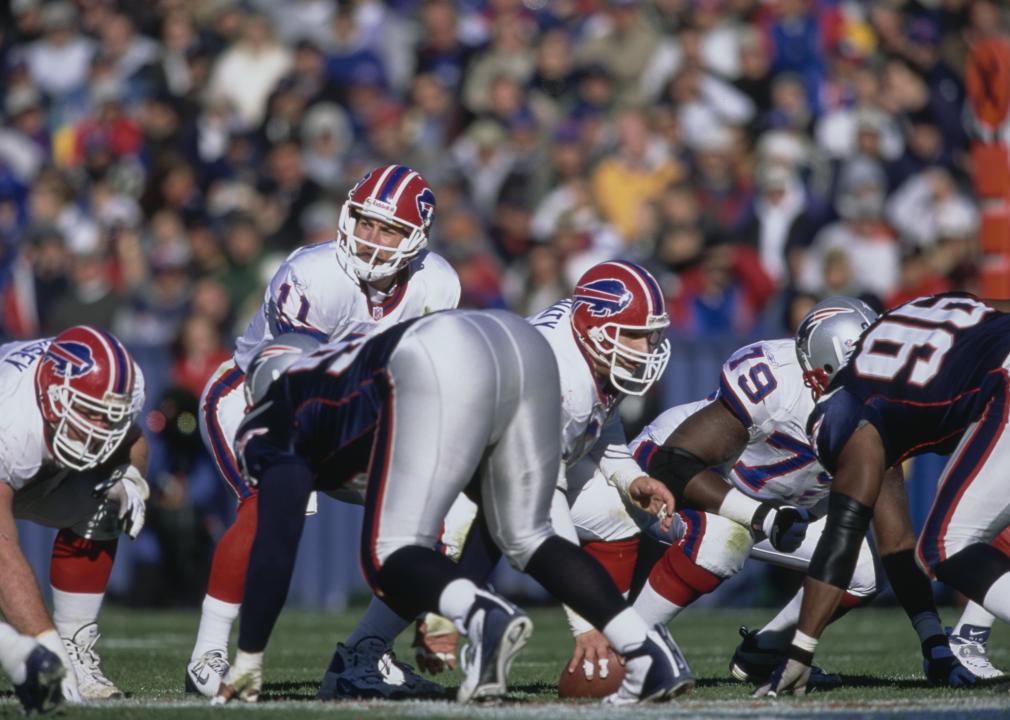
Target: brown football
575,685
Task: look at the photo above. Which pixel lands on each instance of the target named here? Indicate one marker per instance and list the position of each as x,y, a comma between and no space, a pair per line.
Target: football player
36,672
458,401
928,376
71,458
374,275
755,431
608,343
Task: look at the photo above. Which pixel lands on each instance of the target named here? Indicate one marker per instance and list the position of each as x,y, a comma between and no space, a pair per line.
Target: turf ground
874,650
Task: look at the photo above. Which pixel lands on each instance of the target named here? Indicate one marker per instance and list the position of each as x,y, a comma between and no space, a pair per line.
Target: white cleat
205,673
91,681
969,647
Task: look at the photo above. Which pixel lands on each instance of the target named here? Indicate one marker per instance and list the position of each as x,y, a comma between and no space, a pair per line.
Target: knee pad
520,548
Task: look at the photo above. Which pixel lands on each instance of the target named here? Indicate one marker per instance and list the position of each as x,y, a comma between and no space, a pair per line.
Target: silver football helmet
827,336
272,358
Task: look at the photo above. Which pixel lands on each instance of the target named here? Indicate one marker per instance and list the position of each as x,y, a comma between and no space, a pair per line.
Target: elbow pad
674,467
837,551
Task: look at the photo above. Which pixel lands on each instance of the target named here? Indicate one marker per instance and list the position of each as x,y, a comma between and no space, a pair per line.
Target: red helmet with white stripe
615,303
398,197
86,383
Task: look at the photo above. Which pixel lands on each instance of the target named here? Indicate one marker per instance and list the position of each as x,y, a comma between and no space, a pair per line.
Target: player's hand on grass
434,645
788,678
942,667
243,681
592,654
655,498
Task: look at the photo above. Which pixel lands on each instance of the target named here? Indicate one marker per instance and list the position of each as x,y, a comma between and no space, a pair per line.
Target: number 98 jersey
921,374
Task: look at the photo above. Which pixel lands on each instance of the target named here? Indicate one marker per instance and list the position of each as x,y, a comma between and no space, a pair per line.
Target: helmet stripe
109,354
124,368
403,186
381,181
648,283
391,182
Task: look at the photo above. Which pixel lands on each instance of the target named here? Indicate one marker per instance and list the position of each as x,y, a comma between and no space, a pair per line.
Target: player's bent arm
20,599
855,488
712,436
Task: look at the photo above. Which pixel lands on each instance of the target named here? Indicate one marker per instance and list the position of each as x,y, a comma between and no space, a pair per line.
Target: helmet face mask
826,337
85,387
401,201
619,318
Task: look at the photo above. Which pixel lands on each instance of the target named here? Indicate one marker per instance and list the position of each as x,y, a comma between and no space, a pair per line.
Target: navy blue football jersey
322,413
921,374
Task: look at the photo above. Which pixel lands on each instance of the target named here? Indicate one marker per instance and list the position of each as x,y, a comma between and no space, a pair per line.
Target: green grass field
875,650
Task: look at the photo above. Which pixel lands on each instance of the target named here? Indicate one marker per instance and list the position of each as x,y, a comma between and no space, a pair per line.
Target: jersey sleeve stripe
733,402
643,454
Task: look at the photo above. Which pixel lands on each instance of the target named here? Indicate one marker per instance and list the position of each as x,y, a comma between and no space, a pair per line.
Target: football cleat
496,631
370,670
91,681
969,647
204,674
41,691
754,664
657,670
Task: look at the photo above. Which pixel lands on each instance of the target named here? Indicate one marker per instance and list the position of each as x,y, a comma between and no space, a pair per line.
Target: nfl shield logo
376,312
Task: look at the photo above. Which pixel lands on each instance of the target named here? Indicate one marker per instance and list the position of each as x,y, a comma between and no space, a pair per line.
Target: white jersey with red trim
590,422
316,293
24,455
762,384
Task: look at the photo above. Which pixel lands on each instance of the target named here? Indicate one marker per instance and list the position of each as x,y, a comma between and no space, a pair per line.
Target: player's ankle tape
800,655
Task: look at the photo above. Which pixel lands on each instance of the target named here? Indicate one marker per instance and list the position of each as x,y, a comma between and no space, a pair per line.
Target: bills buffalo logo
603,298
70,358
426,205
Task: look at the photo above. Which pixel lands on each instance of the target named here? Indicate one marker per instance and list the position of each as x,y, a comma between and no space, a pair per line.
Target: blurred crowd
159,158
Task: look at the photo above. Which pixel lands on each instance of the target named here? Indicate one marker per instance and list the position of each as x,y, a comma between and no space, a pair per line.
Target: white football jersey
24,455
590,422
762,384
314,292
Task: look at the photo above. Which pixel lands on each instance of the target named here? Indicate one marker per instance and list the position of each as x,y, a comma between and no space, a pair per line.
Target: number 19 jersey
921,375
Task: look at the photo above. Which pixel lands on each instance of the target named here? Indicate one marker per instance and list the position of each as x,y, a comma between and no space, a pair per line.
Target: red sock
679,579
617,557
231,558
79,565
1002,542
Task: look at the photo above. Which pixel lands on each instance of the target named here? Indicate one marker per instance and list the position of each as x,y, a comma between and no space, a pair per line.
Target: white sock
14,650
72,611
654,608
216,619
997,599
378,621
976,615
778,632
626,631
456,600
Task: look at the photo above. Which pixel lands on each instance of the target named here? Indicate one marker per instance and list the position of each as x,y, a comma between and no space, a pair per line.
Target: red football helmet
618,297
86,383
395,195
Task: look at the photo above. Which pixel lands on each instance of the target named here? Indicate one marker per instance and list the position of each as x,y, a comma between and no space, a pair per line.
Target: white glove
52,641
243,681
127,488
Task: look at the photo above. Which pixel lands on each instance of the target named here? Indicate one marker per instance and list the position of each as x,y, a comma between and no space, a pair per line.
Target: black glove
785,527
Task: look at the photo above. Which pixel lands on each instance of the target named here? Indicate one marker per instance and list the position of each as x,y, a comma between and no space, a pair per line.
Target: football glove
941,666
785,527
126,488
